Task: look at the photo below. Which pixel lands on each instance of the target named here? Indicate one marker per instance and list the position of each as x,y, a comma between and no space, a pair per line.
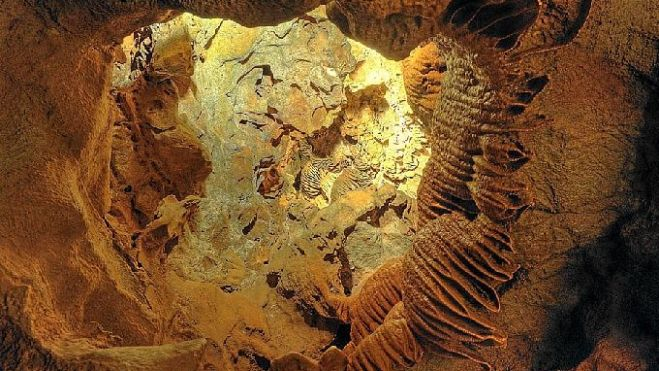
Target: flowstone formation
201,195
439,295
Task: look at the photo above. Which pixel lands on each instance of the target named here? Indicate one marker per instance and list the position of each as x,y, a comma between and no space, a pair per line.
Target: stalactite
470,195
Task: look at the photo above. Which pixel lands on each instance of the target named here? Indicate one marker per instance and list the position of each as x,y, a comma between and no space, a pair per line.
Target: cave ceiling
313,185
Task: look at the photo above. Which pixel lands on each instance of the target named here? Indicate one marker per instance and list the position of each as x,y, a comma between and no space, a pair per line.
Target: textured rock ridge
423,71
469,196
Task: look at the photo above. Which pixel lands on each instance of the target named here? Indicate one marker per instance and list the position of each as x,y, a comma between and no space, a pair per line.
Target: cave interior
307,185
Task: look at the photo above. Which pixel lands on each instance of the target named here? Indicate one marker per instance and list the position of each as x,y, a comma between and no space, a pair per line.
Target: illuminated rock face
90,272
423,71
306,132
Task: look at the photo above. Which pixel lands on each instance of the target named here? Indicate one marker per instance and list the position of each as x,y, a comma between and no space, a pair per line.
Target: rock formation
189,193
469,196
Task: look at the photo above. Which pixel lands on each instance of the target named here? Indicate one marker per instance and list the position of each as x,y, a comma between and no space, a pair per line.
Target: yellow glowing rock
379,117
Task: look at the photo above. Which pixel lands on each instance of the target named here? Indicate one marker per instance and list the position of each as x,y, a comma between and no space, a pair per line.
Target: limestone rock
423,74
229,127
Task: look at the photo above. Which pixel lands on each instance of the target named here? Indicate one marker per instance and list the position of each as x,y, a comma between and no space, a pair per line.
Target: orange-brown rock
393,27
371,304
450,281
467,201
423,71
391,345
62,279
73,299
611,354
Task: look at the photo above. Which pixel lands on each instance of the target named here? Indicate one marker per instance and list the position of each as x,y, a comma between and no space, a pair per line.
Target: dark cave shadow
569,340
616,278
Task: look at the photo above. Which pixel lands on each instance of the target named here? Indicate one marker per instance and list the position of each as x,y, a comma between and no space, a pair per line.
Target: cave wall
68,289
592,175
269,107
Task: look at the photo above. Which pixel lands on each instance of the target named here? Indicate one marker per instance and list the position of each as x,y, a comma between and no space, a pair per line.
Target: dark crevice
272,279
248,228
262,362
342,337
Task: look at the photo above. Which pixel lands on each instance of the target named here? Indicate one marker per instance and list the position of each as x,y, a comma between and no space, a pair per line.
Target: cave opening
255,160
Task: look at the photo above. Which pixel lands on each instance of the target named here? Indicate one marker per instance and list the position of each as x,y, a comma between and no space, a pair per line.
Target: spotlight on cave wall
253,161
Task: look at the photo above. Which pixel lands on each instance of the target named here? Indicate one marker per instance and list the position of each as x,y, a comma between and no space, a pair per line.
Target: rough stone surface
76,293
259,105
423,71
